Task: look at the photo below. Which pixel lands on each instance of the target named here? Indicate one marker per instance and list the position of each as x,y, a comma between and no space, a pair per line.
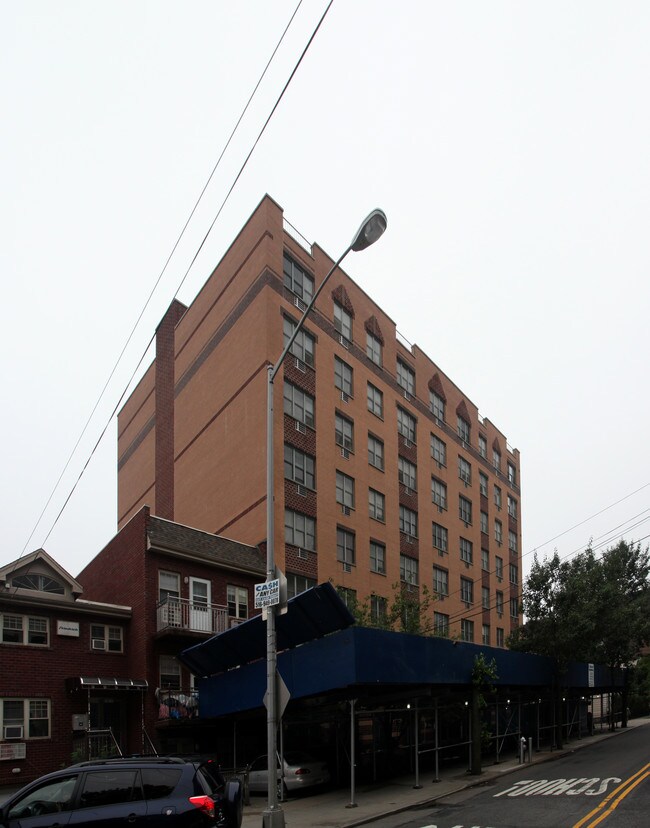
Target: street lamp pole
371,229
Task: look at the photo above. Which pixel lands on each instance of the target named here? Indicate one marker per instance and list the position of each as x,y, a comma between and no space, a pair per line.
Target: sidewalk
328,809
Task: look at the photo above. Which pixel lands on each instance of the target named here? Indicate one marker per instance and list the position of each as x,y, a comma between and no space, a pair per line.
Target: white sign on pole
267,594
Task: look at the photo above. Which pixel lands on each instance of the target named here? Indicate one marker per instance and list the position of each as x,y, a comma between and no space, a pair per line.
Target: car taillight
302,771
204,804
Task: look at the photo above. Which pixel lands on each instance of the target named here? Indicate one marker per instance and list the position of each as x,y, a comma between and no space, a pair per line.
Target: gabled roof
183,541
27,562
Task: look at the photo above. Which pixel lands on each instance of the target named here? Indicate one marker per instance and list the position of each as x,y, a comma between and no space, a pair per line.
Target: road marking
614,799
556,787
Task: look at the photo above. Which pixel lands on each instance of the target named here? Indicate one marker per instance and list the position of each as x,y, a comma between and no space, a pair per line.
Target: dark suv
146,791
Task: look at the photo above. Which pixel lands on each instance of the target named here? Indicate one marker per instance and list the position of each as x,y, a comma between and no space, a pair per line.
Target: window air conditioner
301,427
13,731
347,567
300,365
98,644
345,397
297,301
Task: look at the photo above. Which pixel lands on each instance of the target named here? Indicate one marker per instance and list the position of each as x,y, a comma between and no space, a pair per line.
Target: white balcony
182,615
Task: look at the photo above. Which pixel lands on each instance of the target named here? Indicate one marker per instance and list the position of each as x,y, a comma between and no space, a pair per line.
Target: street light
371,229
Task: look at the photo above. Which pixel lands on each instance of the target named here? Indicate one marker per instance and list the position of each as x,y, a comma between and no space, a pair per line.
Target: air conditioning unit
98,644
300,365
408,490
345,453
301,427
301,490
13,731
297,301
302,553
345,397
347,567
410,539
408,442
343,341
13,750
407,396
346,510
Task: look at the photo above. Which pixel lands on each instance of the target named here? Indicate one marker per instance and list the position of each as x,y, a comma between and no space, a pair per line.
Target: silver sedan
300,771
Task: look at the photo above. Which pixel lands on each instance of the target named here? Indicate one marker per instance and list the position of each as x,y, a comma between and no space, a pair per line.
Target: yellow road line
623,789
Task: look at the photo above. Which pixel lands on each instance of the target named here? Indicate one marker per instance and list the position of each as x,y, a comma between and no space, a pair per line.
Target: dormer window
41,583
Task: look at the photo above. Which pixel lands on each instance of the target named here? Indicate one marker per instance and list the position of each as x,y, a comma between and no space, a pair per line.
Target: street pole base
352,805
273,818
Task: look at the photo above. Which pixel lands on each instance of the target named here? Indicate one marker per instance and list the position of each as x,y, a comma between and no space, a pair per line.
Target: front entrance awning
96,683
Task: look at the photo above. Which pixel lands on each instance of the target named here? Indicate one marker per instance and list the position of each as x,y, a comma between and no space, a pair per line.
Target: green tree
406,611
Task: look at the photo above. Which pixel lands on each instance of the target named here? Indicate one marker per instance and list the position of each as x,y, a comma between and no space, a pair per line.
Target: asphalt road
606,785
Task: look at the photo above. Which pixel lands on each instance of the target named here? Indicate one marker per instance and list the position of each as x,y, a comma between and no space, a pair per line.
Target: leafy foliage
407,611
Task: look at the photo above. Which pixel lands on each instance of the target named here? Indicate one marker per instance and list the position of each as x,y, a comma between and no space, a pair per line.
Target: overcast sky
507,142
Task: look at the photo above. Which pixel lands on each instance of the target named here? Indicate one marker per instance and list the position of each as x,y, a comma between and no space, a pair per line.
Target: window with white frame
464,470
342,321
466,590
170,673
297,280
498,531
299,530
485,634
512,507
343,376
39,582
299,466
482,446
440,581
298,404
106,637
466,550
22,718
343,432
466,630
374,349
375,401
378,609
408,569
512,474
303,345
408,521
485,560
464,509
169,585
30,630
440,537
483,484
439,493
437,406
407,472
498,568
298,583
375,452
237,598
485,597
499,602
376,505
406,425
496,459
441,624
377,557
512,541
484,523
464,429
406,377
345,546
344,490
438,450
497,497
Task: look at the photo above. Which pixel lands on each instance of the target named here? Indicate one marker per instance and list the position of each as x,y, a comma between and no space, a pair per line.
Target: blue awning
312,614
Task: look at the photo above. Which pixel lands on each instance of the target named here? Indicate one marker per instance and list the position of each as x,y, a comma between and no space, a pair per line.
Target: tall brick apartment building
390,474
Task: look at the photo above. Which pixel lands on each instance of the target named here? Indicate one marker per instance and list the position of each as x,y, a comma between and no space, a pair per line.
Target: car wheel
234,803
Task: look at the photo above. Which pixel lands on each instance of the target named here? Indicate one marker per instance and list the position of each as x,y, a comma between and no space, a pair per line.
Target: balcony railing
183,615
177,704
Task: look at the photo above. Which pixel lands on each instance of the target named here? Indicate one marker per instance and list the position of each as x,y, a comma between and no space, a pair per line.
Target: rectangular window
237,598
298,583
512,541
498,567
482,446
343,432
375,401
344,490
169,585
345,546
512,474
438,451
299,467
303,345
299,530
375,452
496,459
25,629
514,608
439,493
373,349
498,531
485,597
408,521
441,624
485,560
484,523
348,596
500,637
170,673
466,550
499,602
463,429
342,321
378,609
440,581
298,404
437,406
466,590
497,497
406,377
512,507
297,280
466,630
408,569
485,634
464,470
377,557
483,484
343,376
407,473
440,537
376,505
513,571
107,638
406,425
31,717
464,509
